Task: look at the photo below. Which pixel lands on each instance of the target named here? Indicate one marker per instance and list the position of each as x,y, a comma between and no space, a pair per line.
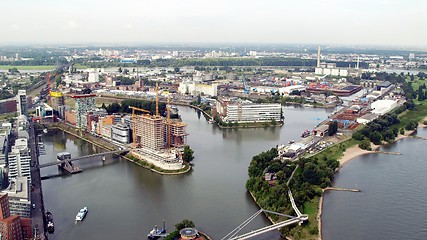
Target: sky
344,22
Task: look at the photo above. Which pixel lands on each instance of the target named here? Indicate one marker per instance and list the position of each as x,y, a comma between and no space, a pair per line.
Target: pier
342,189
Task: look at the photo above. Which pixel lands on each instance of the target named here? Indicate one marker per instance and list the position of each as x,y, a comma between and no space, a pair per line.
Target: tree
333,128
365,144
184,224
187,156
58,80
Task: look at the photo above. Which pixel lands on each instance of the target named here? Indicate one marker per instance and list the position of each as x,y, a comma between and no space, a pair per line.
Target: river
393,200
125,201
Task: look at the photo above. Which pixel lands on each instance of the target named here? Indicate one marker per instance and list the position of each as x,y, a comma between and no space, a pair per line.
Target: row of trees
380,129
123,107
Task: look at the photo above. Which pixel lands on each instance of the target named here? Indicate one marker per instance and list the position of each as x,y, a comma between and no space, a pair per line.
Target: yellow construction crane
157,98
168,121
134,121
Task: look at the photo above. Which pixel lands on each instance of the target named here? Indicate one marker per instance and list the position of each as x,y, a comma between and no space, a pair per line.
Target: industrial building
193,88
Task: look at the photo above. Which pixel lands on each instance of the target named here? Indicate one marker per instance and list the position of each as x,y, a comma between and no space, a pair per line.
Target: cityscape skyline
379,22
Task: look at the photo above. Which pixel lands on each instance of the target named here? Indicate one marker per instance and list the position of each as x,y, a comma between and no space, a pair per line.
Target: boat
305,134
157,233
292,141
45,130
211,121
81,214
50,226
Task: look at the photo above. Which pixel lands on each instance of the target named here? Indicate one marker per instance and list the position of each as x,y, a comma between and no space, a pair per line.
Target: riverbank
104,144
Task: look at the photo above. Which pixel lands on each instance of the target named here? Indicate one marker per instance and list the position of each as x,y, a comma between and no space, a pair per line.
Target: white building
382,107
248,112
19,197
93,76
22,103
193,88
120,133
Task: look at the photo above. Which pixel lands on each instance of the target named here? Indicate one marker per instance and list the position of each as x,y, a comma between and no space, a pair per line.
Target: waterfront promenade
37,213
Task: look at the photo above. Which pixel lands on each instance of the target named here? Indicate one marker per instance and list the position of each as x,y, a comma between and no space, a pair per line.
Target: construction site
157,140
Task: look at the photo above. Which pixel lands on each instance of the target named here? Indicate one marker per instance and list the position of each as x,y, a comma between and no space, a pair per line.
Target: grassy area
407,116
79,66
336,151
6,67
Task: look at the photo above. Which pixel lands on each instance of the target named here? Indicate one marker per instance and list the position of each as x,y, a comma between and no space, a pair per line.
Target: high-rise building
85,103
22,103
150,131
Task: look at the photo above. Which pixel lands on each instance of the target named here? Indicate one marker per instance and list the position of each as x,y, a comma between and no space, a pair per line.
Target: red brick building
12,227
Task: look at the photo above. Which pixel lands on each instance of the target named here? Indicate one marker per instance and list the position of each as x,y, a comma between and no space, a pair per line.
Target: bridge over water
68,161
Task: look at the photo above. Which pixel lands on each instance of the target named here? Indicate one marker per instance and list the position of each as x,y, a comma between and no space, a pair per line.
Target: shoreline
352,153
109,146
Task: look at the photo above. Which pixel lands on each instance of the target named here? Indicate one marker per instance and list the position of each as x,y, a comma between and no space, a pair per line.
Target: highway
37,212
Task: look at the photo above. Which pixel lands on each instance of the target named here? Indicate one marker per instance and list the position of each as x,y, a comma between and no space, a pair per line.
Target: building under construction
155,133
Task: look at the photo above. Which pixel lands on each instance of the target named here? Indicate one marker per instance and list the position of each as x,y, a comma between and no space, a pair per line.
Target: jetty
342,189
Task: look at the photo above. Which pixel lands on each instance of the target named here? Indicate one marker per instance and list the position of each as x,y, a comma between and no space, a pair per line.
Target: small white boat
81,214
45,130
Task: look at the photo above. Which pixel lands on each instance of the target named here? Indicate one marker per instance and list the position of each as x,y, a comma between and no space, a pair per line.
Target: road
37,212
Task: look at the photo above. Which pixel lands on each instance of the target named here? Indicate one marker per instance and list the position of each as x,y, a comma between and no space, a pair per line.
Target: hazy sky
377,22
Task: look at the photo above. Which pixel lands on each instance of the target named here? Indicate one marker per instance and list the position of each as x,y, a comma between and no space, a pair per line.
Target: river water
125,201
393,201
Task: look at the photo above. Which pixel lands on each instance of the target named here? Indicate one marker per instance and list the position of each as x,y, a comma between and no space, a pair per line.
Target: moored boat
50,225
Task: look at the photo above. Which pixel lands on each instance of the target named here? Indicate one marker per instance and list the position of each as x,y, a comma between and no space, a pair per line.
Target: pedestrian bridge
292,220
67,161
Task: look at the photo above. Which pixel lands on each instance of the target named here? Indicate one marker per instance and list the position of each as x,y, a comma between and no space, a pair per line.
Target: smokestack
357,64
318,56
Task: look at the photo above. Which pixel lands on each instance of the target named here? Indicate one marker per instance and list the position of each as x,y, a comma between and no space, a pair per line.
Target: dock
342,189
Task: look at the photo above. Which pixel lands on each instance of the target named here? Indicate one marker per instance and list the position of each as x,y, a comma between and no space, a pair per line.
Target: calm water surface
393,201
125,201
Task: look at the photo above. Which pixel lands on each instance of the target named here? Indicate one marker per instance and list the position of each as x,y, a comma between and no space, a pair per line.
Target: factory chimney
357,64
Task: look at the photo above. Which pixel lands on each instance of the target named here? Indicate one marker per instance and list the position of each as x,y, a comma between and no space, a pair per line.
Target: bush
365,144
411,125
402,131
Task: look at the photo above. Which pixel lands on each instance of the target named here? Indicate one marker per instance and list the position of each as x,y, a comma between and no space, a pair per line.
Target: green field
6,67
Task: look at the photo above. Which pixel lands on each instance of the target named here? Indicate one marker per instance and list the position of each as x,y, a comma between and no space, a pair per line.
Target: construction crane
168,120
157,98
134,122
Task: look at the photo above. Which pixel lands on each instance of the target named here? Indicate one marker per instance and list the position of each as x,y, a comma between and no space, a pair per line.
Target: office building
19,197
85,103
249,112
22,103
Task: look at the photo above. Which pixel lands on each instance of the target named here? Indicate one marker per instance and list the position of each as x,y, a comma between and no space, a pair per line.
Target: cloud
72,24
15,26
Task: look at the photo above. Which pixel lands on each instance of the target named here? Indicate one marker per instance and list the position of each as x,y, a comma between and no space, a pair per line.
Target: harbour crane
134,122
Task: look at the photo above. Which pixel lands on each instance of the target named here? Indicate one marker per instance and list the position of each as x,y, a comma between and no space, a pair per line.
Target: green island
313,173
